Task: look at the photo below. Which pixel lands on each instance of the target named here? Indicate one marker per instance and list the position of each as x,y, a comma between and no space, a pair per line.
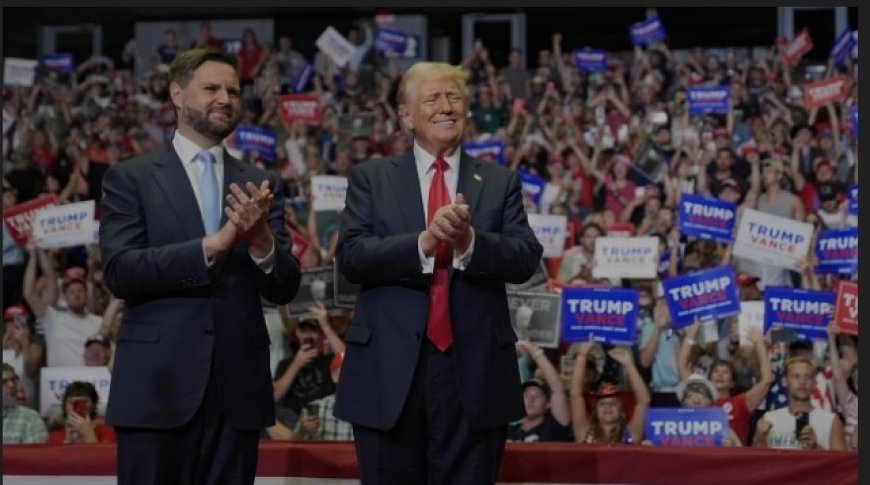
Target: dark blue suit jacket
183,320
377,248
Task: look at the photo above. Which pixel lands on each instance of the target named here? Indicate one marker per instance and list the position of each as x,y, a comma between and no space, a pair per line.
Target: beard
198,120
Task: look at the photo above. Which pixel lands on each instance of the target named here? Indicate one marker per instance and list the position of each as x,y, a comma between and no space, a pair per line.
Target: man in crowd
799,425
547,415
431,346
318,422
20,424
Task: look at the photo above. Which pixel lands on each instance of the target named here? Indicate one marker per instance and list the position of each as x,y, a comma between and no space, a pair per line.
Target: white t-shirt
65,336
782,434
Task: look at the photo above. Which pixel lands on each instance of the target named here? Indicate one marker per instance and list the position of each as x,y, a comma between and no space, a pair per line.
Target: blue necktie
208,186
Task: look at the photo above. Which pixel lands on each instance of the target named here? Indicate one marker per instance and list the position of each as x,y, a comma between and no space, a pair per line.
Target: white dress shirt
187,152
425,172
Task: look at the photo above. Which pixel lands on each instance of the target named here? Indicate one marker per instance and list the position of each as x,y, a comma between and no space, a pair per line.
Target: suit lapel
406,187
234,171
470,181
173,180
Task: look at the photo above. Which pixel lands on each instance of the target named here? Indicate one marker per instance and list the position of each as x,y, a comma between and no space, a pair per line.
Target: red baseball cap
74,274
15,312
745,279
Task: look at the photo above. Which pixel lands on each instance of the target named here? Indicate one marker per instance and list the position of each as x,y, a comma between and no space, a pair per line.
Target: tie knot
440,165
205,156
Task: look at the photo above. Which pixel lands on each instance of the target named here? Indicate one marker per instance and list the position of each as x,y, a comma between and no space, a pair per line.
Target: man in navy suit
430,378
191,252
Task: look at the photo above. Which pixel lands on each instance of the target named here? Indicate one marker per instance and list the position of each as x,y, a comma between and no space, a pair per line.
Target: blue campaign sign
708,99
704,295
389,40
610,314
300,83
806,311
590,60
664,263
843,46
853,200
486,150
706,218
253,139
647,32
533,186
690,427
61,62
837,251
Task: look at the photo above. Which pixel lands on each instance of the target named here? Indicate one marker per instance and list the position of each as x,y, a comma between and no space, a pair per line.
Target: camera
801,420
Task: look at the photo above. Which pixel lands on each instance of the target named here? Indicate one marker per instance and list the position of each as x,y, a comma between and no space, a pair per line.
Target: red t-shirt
738,415
104,432
247,60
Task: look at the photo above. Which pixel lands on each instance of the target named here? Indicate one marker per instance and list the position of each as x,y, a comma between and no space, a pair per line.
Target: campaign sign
16,361
843,46
830,90
853,200
704,295
316,285
708,99
770,239
550,231
619,229
647,32
492,150
798,47
300,242
54,381
254,139
751,316
626,257
664,263
299,107
610,314
328,192
19,71
66,225
808,312
18,218
837,251
61,62
335,46
689,427
536,317
344,292
846,309
533,186
300,82
590,60
706,218
390,41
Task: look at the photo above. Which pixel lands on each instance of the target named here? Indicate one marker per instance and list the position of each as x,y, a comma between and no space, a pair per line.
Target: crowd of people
617,146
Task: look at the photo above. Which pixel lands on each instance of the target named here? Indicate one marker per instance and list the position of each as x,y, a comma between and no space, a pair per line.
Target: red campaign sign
846,309
301,107
300,243
798,47
826,91
19,217
620,229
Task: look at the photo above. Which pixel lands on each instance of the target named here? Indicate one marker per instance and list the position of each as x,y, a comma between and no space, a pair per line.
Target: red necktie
438,329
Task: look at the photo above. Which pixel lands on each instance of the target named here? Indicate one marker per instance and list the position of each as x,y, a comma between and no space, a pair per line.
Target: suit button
417,336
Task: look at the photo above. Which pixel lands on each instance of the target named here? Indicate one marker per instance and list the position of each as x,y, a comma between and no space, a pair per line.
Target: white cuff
267,262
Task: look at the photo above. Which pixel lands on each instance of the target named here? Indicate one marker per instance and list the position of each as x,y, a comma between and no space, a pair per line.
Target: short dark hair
188,61
81,388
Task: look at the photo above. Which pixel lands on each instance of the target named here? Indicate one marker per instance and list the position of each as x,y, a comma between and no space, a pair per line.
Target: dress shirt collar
187,149
425,159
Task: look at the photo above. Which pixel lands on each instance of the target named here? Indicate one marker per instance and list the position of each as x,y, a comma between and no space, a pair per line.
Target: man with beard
192,386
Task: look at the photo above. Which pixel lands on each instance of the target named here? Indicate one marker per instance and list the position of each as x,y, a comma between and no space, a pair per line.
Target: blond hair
428,70
797,360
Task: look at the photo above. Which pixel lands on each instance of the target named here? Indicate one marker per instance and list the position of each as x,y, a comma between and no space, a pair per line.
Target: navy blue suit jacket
182,319
377,248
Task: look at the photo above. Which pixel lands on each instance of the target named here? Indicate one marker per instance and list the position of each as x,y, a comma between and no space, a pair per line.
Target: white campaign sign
770,239
626,257
54,381
17,362
335,46
550,231
65,225
328,192
751,316
19,71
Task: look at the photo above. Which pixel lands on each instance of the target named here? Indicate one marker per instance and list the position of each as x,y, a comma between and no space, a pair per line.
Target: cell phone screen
801,420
